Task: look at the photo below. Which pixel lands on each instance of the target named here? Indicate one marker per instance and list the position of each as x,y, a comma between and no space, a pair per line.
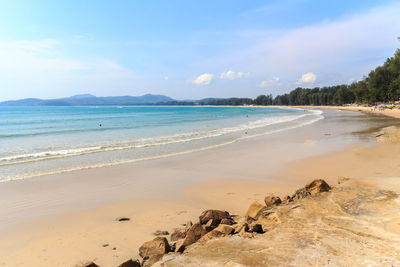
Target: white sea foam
146,142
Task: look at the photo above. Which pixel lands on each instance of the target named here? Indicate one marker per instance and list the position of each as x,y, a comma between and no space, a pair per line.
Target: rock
159,232
213,214
123,219
221,230
272,200
256,228
188,225
212,223
178,235
172,248
130,263
157,246
89,264
254,210
227,221
287,199
179,247
195,233
225,229
149,261
300,193
317,186
239,227
244,233
213,234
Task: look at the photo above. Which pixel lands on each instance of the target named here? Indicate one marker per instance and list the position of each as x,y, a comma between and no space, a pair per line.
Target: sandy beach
395,113
70,218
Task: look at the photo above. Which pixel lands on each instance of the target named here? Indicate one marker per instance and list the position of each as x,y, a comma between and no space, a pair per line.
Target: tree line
381,85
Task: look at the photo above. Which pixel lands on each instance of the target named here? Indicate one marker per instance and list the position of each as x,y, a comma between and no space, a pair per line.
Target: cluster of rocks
215,224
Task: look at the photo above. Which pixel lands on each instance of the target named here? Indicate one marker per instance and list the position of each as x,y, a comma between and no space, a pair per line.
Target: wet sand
65,219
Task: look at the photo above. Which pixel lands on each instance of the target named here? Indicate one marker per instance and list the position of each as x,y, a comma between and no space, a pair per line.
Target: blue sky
189,49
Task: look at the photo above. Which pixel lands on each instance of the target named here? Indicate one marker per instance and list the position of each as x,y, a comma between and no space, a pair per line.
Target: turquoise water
36,141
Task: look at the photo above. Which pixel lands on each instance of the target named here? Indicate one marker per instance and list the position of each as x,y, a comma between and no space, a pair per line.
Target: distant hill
91,100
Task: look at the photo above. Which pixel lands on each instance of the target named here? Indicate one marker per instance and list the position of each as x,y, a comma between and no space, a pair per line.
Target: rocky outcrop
131,263
88,264
272,200
195,233
216,215
178,234
152,251
312,189
255,210
348,225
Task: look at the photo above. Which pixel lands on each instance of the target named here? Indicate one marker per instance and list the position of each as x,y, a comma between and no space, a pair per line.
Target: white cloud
231,75
307,78
273,81
204,79
166,78
337,49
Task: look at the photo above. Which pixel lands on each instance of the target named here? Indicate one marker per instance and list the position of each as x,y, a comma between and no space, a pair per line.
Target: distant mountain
91,100
82,96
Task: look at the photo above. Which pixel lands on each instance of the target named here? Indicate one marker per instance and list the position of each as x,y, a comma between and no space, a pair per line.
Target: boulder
188,225
130,263
317,186
179,247
300,193
256,228
212,223
227,221
217,215
221,230
157,246
150,260
225,229
240,226
272,200
195,233
244,233
287,199
254,210
178,235
89,264
210,235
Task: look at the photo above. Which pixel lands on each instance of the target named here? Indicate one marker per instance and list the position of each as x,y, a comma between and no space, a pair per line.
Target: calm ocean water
36,141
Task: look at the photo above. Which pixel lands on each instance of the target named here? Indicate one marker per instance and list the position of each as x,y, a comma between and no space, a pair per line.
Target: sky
190,49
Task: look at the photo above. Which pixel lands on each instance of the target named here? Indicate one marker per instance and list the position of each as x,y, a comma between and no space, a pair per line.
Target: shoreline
197,184
395,113
169,145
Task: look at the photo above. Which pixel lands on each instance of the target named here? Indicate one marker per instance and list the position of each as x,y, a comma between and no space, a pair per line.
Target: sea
43,140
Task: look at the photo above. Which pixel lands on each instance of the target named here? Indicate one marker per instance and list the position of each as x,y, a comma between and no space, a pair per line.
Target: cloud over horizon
307,78
204,79
231,75
273,81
